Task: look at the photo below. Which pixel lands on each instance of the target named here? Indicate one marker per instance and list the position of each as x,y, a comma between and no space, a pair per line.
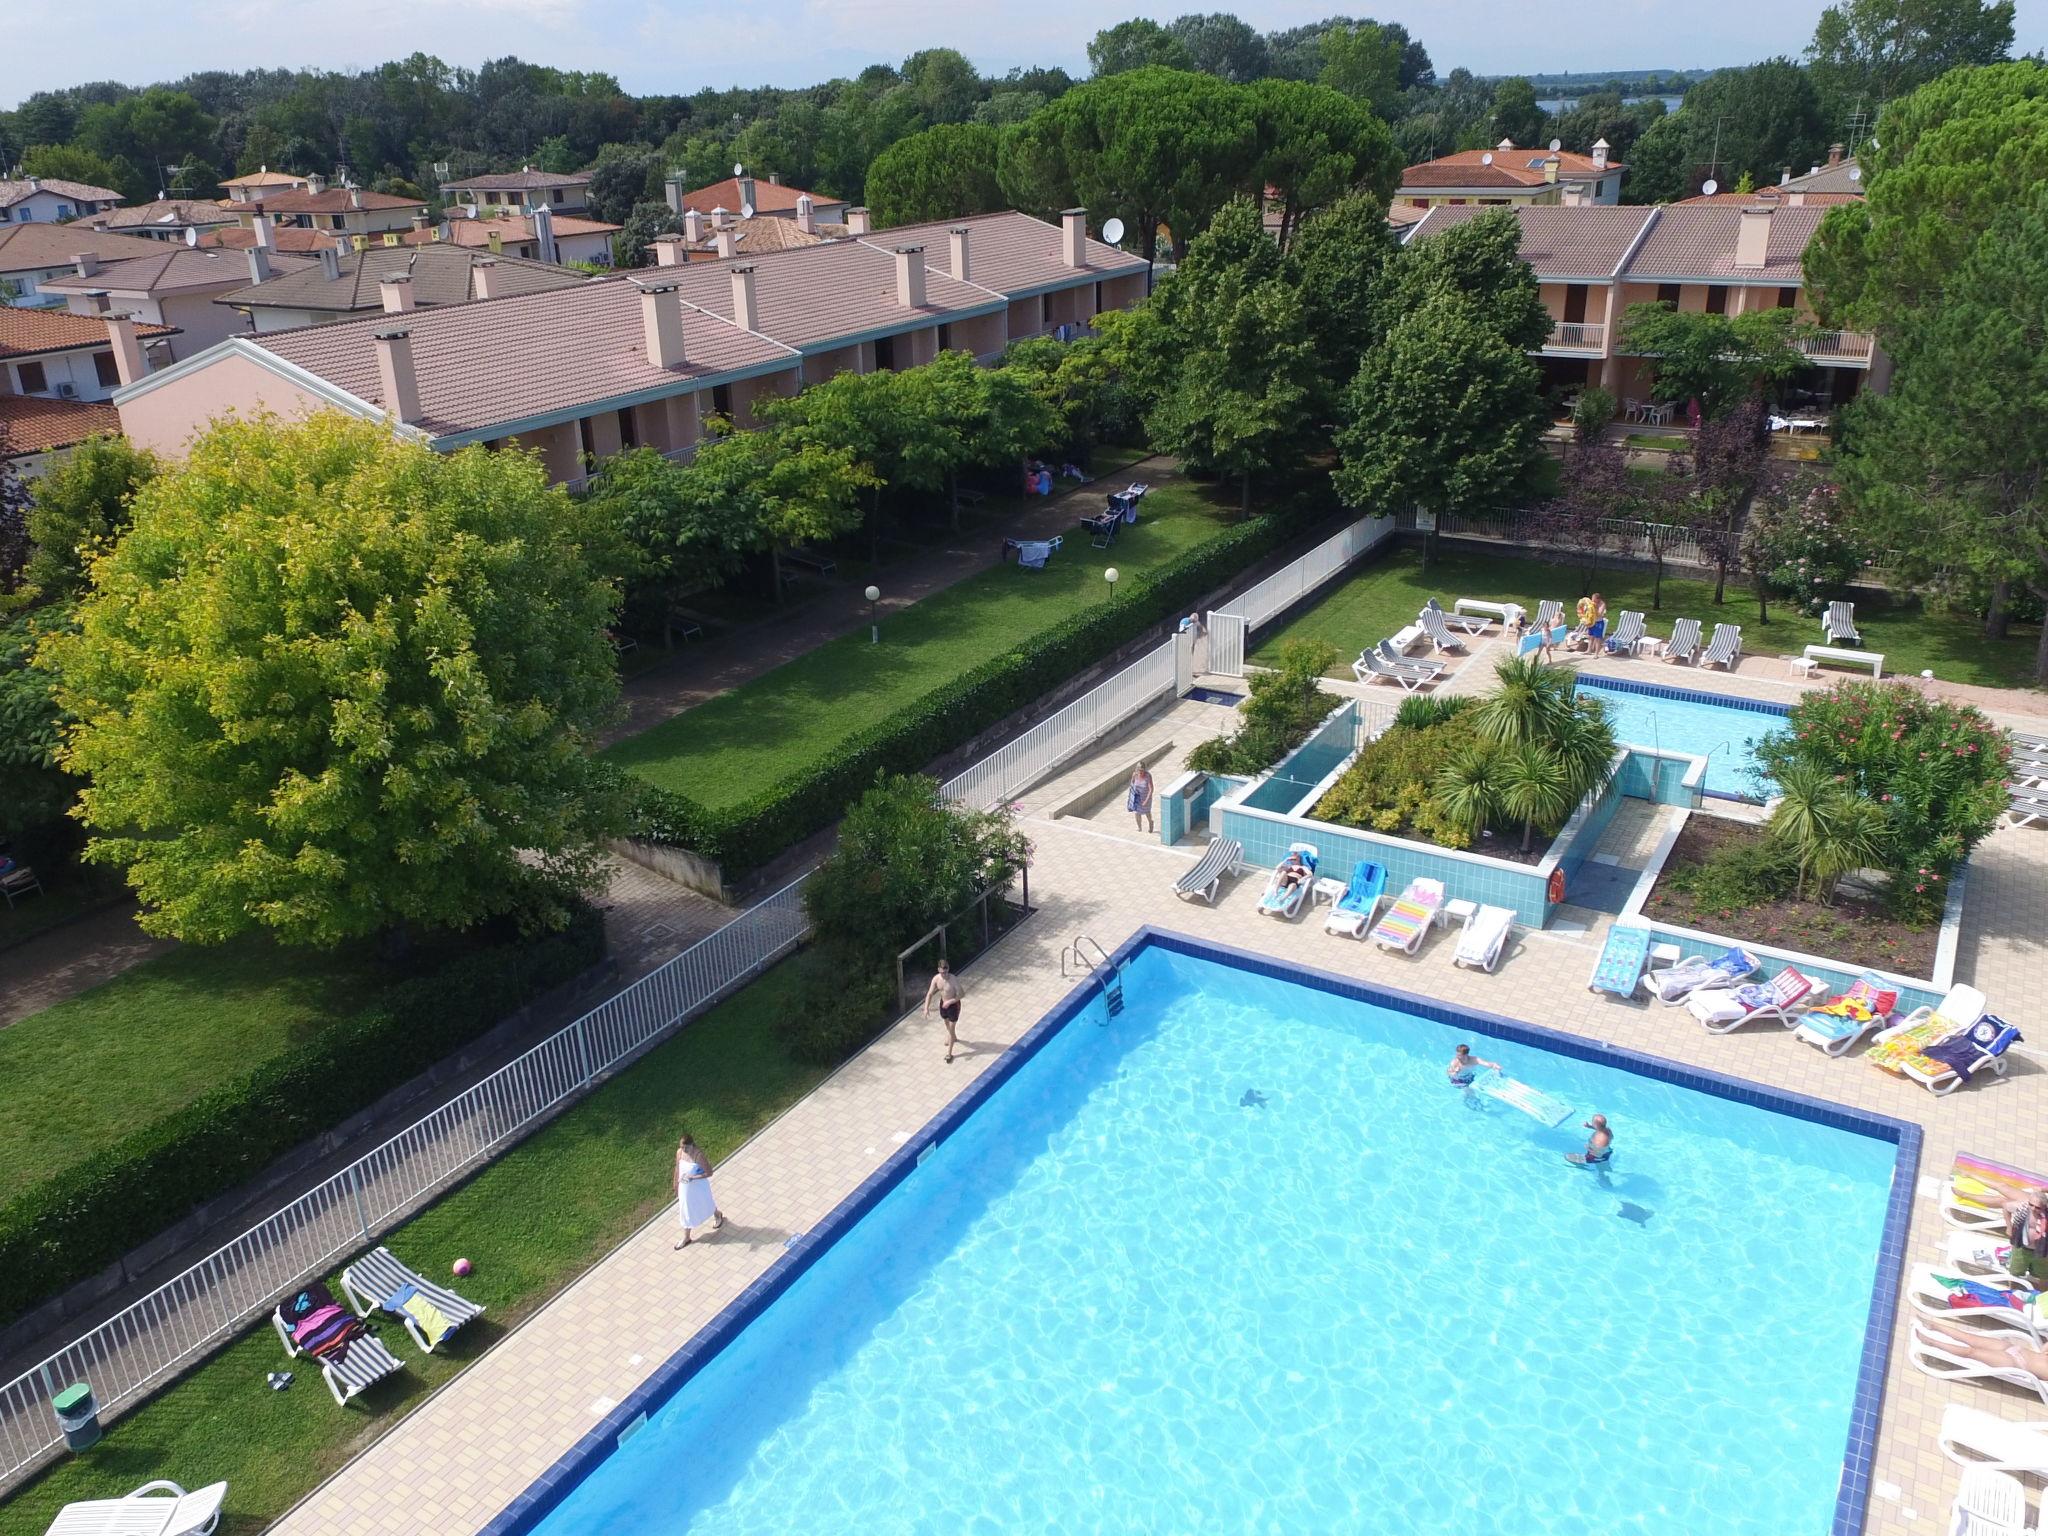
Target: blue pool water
1241,1260
1671,721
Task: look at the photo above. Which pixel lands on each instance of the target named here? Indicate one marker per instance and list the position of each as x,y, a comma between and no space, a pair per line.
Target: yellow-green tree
332,684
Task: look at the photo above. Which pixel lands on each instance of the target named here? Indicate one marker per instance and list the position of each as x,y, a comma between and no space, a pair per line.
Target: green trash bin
78,1416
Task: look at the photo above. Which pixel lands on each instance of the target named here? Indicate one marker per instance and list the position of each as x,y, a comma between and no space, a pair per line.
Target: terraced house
617,362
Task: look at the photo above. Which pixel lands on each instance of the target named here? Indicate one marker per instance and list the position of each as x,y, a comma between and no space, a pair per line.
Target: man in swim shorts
2026,1228
945,991
1599,1146
1464,1067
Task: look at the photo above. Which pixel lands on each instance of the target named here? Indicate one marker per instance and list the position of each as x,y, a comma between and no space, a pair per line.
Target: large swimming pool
1241,1259
1723,730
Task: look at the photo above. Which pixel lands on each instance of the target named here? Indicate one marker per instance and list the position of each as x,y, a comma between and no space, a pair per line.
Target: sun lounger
17,880
1976,1254
1934,1356
1628,634
347,1371
160,1508
1840,624
2027,807
1483,937
1971,1437
1353,912
430,1312
1695,973
1468,623
1836,1026
1371,664
1620,966
1285,899
1945,1066
1725,649
1548,612
2001,1306
1684,643
1220,858
1923,1027
1780,1000
1432,622
1989,1502
1390,653
1978,1190
1409,918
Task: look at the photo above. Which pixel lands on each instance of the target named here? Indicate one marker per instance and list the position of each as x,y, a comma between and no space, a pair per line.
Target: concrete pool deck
468,1451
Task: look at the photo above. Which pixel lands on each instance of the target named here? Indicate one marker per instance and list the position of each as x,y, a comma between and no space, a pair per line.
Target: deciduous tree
1219,44
75,510
1515,113
783,488
1716,360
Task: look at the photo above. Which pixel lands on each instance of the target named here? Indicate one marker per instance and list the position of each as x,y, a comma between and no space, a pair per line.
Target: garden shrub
1806,550
1421,709
843,1000
1285,706
1739,875
79,1221
1388,785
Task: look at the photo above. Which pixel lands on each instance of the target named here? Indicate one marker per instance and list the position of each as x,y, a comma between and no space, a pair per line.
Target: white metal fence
1226,643
129,1354
1621,537
1299,578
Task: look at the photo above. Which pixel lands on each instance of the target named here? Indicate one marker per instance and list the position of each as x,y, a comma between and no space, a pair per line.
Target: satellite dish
738,169
1855,173
1710,186
1113,231
1556,145
192,237
746,210
1487,158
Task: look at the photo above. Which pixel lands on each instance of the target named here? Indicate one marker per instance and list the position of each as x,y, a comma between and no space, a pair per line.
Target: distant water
1566,103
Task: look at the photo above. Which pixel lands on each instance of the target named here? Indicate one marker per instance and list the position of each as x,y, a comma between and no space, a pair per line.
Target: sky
677,46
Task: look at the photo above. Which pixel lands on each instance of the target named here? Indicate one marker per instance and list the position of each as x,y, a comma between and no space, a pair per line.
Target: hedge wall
75,1224
746,836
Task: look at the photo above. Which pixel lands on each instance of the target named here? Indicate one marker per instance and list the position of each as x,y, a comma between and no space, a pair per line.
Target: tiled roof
29,247
1400,215
32,424
265,178
760,237
1559,242
25,332
172,267
12,192
1502,168
164,213
481,366
1773,195
527,180
285,238
1011,252
333,200
1842,176
441,275
769,197
478,232
1694,242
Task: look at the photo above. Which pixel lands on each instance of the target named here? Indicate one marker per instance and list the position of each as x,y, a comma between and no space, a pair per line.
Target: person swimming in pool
1599,1146
1464,1067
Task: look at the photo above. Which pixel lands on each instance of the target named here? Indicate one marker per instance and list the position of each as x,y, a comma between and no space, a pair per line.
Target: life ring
1557,885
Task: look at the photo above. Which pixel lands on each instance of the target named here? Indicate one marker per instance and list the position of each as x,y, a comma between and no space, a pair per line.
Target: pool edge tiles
1598,680
525,1513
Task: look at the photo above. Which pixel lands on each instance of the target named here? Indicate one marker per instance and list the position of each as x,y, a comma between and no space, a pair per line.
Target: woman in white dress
695,1204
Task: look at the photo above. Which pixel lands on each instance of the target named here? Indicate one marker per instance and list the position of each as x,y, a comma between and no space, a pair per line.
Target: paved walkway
72,958
467,1452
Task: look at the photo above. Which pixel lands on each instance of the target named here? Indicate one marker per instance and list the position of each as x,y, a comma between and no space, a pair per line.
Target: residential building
177,287
769,199
521,191
54,355
563,237
720,236
167,218
347,210
580,373
1592,263
48,200
31,252
1840,180
293,242
1507,176
37,432
259,184
333,286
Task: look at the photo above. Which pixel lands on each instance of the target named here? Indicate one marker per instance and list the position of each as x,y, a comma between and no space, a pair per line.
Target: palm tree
1531,701
1469,788
1830,828
1536,789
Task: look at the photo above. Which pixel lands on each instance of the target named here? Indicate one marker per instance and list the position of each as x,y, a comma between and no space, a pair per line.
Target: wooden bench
1815,654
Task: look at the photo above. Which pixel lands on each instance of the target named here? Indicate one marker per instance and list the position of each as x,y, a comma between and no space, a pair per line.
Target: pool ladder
1112,974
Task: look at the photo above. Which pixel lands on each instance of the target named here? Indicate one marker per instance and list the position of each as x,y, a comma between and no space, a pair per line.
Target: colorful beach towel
1892,1055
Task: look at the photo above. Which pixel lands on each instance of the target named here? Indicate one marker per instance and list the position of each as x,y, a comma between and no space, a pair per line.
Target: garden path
72,958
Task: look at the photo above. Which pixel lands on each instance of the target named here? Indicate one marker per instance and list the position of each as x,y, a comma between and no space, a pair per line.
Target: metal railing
1577,336
1622,537
131,1353
1837,346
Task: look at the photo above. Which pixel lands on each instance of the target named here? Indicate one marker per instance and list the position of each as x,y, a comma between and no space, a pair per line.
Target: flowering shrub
1936,769
1809,553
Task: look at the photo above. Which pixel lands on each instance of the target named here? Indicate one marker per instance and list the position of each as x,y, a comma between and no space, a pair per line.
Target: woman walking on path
1138,800
695,1203
945,989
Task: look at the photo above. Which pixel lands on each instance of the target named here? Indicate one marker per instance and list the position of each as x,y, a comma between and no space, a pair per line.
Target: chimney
1074,236
330,263
87,263
661,324
394,372
266,232
1574,195
1796,198
544,236
1550,168
746,309
496,239
857,221
775,178
720,218
1600,148
396,293
483,276
259,264
355,197
958,239
128,363
746,186
806,214
421,223
1834,154
693,226
98,301
316,183
673,190
35,183
1753,237
668,250
910,276
1784,175
728,244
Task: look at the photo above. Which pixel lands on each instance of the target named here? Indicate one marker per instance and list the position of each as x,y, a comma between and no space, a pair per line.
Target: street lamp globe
874,596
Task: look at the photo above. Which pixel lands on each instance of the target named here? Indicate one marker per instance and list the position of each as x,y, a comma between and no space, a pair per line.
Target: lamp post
874,596
1110,577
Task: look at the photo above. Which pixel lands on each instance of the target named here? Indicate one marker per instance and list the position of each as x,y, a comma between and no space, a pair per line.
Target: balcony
1846,347
1576,336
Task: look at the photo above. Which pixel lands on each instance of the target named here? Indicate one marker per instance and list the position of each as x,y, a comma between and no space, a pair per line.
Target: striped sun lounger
1220,858
430,1312
1725,649
1620,966
356,1369
1548,612
1410,916
1684,643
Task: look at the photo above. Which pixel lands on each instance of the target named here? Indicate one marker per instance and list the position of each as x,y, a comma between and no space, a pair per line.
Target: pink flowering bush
1811,553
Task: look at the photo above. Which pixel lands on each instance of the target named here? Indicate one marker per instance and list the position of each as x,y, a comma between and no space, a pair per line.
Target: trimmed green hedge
75,1224
746,836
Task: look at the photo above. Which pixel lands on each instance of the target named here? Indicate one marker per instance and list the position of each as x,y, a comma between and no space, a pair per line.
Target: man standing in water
1599,1146
945,990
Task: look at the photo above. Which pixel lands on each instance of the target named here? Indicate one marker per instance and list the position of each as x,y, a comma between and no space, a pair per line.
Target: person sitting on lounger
1599,1146
1292,871
1989,1349
1464,1067
2026,1228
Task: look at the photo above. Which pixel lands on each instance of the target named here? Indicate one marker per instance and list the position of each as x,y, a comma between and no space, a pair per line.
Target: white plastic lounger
1371,665
160,1508
1971,1437
379,1275
1930,1298
1425,667
1483,937
1725,649
1836,1026
1932,1356
1989,1502
1979,1255
1353,912
1839,626
1674,984
1988,1041
1684,643
2027,807
362,1365
1284,900
1222,857
1432,622
1781,1000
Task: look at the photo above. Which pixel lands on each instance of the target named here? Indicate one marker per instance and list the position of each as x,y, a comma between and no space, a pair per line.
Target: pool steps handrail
1111,972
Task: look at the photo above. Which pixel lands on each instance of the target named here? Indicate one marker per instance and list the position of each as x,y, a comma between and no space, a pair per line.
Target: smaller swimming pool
1718,727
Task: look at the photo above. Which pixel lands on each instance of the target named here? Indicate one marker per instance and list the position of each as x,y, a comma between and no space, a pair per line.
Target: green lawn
1385,596
157,1037
722,753
531,1222
69,890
